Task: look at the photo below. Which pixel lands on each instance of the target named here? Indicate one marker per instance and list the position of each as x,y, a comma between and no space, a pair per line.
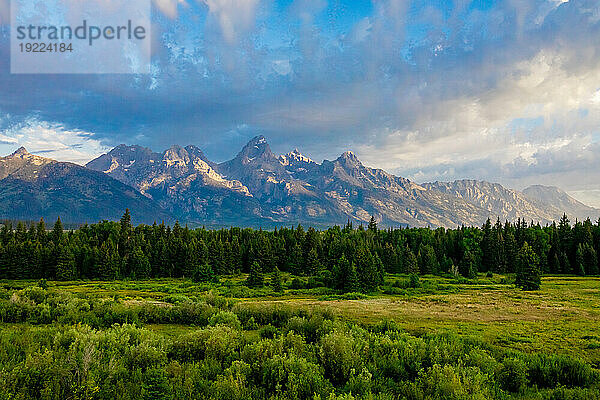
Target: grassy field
563,317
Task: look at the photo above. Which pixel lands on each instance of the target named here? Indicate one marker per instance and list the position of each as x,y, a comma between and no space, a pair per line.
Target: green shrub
339,357
226,318
512,375
552,370
311,328
293,376
267,332
35,294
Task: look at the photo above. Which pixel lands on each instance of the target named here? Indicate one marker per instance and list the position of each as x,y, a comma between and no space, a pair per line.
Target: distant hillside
559,199
32,187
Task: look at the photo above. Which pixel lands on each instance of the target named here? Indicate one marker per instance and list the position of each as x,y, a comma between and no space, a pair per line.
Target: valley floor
563,317
560,319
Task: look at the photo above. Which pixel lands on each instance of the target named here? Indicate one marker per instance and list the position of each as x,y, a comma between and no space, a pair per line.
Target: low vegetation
435,339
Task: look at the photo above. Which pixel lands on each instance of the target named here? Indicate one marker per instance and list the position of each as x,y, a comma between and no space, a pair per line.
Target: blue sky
507,91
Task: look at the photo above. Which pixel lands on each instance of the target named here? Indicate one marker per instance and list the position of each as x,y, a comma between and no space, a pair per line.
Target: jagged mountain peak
195,151
257,149
294,157
21,151
122,148
23,161
175,153
349,160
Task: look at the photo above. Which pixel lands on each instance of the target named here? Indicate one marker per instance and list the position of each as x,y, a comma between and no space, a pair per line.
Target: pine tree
312,264
510,251
372,225
487,247
579,260
428,263
276,283
125,233
109,261
139,264
565,264
528,272
341,272
411,265
295,261
255,278
590,258
468,265
65,266
57,231
352,284
203,273
41,231
390,259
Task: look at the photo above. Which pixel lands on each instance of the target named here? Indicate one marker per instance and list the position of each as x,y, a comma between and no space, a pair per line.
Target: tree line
347,258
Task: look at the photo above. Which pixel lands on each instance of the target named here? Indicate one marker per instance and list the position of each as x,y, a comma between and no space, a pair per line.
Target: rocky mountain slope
258,187
552,196
497,201
184,182
32,187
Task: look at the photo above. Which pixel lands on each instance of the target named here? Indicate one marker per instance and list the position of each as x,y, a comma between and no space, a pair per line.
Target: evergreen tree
487,247
139,265
468,265
590,259
528,272
312,264
65,266
276,283
372,225
341,272
57,231
390,259
369,269
428,263
565,264
410,262
41,231
203,273
125,233
295,260
109,261
352,284
579,260
255,278
510,251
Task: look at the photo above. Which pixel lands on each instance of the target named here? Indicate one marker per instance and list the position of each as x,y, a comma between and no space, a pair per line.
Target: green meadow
445,337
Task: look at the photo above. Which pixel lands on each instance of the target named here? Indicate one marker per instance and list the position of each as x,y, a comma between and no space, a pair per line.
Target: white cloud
169,7
235,17
536,125
52,141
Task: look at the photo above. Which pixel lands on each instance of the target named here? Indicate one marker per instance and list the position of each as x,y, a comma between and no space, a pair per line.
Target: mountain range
258,188
32,187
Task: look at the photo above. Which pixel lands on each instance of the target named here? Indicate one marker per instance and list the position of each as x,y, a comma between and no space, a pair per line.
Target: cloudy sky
507,91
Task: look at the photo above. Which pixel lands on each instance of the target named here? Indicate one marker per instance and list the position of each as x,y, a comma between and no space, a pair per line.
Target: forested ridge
346,258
